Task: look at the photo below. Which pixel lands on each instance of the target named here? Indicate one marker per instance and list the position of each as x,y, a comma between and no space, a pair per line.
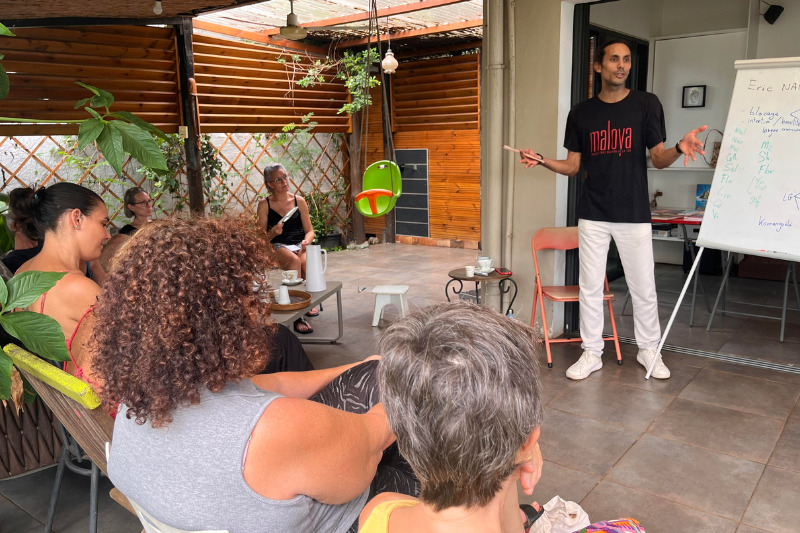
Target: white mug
470,270
290,275
283,295
485,263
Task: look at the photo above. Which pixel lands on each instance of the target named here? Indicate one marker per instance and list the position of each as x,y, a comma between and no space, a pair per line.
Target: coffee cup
283,295
470,270
290,275
485,263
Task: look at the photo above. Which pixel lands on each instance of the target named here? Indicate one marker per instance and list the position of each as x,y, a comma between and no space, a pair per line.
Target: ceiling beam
441,28
259,37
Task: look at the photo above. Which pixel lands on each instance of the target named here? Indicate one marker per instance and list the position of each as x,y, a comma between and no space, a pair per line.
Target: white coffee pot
315,271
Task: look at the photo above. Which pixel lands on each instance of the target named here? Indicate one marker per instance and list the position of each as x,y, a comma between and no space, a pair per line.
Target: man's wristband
678,147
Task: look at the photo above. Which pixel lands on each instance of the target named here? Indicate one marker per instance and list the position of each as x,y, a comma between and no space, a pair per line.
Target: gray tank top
189,473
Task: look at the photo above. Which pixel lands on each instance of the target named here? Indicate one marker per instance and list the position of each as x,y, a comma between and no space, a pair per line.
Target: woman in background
139,205
290,238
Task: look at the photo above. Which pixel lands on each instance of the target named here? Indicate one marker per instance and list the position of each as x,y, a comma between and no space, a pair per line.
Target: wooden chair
563,239
76,406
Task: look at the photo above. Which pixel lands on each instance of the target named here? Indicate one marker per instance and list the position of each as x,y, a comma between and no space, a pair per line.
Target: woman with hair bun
72,221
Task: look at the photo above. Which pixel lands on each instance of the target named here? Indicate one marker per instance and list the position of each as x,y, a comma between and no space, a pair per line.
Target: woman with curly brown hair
201,442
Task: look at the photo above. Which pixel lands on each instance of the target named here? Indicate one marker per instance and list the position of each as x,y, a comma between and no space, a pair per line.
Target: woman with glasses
138,205
289,238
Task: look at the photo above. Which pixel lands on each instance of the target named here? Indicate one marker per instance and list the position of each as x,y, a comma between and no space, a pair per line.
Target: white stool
389,294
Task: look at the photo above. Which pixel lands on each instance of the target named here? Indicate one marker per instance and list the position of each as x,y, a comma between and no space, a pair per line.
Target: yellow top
378,519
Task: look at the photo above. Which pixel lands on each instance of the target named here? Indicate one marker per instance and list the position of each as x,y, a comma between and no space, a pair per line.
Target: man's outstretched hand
529,158
691,146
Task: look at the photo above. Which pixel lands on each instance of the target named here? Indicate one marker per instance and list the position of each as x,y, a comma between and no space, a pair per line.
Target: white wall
781,39
638,18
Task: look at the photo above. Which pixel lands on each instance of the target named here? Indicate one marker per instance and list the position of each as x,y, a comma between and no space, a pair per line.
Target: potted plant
321,213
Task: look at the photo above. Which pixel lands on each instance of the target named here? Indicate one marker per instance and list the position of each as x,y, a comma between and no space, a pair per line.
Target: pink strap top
79,371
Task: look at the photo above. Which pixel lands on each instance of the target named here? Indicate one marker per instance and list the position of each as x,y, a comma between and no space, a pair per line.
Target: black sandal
531,515
303,321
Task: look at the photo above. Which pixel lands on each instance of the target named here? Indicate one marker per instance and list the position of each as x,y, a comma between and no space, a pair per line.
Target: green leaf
5,84
140,145
88,132
79,103
5,374
26,287
101,98
3,294
94,113
39,333
130,117
5,31
109,142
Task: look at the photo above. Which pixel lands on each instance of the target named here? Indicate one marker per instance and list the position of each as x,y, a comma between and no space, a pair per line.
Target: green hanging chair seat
382,187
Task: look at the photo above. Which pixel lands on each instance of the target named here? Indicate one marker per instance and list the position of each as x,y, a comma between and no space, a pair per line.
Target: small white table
287,318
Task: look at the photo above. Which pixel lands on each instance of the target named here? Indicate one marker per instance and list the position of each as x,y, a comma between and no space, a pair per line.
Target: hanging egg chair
382,187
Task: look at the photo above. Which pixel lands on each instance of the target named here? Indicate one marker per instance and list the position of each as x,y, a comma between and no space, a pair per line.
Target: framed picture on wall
694,96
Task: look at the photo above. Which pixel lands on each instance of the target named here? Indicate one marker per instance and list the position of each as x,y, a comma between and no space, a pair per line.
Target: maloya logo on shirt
610,140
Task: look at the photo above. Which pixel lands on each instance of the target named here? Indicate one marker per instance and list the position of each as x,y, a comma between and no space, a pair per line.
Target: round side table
459,275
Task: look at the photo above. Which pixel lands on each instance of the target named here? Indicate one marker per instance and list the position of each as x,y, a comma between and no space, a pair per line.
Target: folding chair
563,239
75,406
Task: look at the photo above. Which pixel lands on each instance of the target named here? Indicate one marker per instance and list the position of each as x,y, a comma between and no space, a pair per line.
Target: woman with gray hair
460,387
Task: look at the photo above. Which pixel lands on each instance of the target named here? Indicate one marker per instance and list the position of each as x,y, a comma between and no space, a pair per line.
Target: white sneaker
645,357
584,366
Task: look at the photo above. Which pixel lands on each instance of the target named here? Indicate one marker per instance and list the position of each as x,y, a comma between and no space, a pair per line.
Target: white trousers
635,245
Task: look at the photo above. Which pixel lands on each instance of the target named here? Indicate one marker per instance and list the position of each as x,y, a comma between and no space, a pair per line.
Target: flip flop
314,312
531,515
307,327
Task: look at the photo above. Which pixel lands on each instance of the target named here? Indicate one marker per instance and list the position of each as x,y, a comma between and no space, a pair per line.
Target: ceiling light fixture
389,63
157,7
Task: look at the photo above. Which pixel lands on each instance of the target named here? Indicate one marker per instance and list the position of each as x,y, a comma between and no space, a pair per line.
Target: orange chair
562,239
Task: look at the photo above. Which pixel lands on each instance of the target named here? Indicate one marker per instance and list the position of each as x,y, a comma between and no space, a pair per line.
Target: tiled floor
714,448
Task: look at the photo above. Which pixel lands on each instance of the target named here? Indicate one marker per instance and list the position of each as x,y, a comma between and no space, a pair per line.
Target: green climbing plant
4,82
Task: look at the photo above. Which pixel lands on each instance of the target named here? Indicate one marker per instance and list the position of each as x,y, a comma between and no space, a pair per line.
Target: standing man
609,134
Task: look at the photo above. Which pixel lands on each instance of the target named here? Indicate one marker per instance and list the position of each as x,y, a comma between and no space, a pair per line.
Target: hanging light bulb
389,63
157,7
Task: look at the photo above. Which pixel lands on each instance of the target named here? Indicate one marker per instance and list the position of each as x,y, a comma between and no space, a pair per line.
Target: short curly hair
178,315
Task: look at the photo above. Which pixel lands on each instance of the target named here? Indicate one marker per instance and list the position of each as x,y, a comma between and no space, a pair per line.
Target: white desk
287,318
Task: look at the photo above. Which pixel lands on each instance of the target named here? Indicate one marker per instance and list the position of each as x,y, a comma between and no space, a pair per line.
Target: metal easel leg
721,290
790,272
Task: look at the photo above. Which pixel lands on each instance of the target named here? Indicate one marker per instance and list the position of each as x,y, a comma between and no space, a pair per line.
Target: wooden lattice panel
316,162
30,438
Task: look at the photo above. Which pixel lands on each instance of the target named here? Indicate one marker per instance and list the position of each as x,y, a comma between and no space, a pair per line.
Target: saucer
484,271
290,283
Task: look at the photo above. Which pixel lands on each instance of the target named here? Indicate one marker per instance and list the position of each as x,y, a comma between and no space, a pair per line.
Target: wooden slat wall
244,88
137,64
437,94
427,116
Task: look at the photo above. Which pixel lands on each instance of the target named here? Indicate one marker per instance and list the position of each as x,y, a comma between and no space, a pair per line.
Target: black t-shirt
15,258
128,229
612,140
